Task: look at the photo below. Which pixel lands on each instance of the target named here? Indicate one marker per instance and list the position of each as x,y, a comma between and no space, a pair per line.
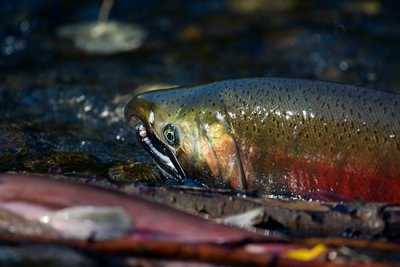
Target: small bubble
24,26
105,113
88,108
83,146
10,40
8,50
80,98
119,137
343,66
371,76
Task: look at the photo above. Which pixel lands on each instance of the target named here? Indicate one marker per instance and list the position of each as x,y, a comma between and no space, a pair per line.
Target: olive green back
310,121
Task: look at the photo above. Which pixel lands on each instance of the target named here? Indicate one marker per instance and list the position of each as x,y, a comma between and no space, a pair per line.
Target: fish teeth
142,131
163,158
143,134
147,141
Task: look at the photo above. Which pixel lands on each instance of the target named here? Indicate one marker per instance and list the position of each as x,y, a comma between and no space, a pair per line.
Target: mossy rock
134,172
75,163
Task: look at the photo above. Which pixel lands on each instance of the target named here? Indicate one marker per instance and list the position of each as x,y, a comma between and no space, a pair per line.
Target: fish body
76,208
275,134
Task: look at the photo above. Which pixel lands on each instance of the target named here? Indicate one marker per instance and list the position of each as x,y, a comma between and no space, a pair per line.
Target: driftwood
296,217
207,253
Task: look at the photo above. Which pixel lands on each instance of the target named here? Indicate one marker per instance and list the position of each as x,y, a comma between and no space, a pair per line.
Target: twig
105,10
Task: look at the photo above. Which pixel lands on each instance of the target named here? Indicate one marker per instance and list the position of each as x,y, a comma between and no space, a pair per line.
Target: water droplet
371,76
8,50
80,98
105,113
88,108
24,26
10,40
343,66
83,146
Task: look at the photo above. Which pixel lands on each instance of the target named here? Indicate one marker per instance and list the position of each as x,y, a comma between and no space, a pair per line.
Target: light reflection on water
80,98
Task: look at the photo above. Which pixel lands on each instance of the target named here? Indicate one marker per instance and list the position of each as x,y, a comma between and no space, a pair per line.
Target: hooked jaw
137,113
219,150
164,158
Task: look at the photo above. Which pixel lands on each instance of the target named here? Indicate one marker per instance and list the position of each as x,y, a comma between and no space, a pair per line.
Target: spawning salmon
276,134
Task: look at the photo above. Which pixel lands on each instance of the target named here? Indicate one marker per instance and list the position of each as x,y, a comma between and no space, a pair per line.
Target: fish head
185,132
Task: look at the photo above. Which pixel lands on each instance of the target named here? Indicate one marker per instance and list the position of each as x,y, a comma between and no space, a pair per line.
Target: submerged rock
134,172
67,163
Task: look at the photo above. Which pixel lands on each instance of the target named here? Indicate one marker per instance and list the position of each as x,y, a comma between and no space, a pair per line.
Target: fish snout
133,119
130,115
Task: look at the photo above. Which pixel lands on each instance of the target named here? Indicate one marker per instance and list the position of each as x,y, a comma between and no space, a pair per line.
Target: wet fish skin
22,194
88,222
273,134
13,223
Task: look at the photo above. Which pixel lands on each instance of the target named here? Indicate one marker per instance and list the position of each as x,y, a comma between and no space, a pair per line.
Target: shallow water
55,97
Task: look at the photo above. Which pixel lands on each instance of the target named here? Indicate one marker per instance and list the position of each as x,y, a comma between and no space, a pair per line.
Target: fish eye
170,134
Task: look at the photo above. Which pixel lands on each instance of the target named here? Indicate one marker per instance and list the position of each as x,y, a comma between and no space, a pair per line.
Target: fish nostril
134,119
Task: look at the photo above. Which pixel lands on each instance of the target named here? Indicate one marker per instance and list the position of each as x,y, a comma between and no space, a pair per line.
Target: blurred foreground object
54,213
103,36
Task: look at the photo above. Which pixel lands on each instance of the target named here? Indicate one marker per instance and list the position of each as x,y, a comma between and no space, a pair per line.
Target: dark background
54,97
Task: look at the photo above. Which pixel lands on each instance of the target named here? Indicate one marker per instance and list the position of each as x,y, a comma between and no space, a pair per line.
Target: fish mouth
163,156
